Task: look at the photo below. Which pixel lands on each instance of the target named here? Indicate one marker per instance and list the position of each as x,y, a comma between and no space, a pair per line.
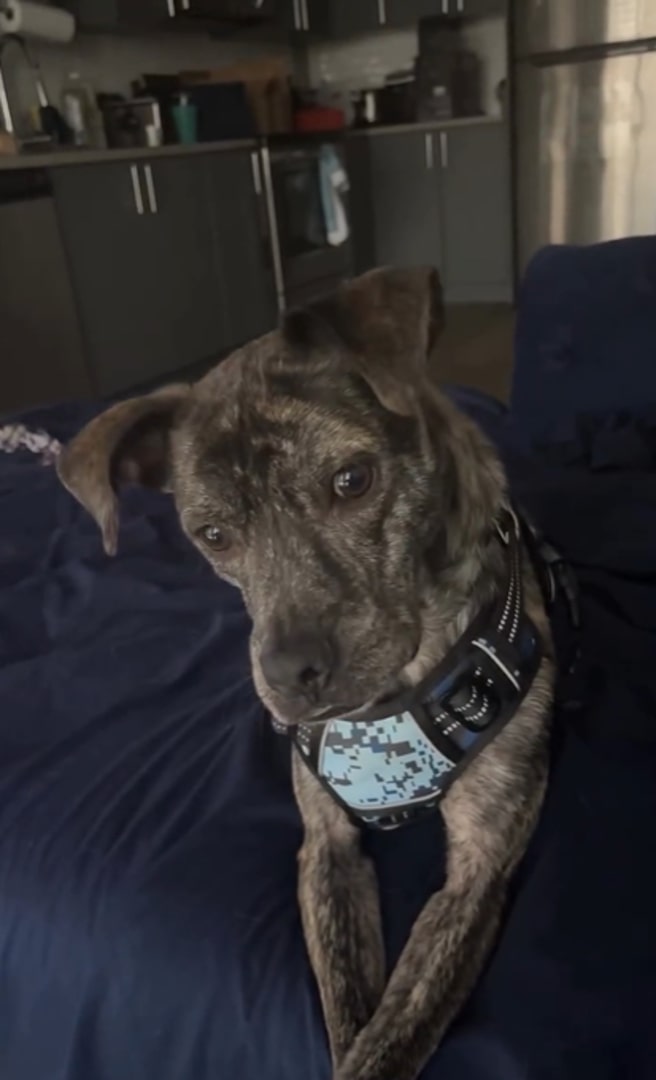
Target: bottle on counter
81,113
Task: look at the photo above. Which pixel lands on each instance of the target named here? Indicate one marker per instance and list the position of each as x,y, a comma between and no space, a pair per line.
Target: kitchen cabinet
169,261
441,197
241,244
120,14
396,199
173,14
225,10
476,214
408,12
343,18
42,353
472,9
333,18
141,262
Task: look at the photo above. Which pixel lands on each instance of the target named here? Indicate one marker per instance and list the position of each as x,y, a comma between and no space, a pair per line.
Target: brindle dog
321,471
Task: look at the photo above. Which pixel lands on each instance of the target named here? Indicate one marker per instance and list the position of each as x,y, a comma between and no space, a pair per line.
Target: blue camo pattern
381,764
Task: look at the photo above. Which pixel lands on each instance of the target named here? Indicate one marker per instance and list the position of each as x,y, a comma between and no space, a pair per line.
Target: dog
321,471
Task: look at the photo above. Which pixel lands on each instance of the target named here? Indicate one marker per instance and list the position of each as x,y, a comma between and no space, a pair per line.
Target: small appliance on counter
315,118
317,109
449,78
393,103
131,122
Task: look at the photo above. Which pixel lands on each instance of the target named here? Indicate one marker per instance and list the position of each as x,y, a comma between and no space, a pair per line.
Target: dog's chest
377,768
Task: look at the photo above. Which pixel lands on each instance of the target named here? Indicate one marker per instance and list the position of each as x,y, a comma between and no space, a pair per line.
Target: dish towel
334,183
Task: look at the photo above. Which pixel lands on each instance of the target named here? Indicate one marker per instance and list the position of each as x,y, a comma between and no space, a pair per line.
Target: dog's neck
465,568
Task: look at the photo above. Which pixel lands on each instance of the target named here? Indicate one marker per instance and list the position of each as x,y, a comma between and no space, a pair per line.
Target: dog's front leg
489,816
338,895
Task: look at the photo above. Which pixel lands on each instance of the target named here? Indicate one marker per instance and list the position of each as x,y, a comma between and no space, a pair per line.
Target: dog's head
319,471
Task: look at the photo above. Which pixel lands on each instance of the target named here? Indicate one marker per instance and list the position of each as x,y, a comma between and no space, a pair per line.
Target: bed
148,834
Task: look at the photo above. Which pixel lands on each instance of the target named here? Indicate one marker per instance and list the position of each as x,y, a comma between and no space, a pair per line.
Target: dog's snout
299,663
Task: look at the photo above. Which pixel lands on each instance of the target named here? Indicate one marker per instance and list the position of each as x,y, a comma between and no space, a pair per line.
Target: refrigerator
584,98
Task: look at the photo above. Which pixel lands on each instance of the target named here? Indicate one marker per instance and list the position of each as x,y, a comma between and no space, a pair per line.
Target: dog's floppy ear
128,443
389,320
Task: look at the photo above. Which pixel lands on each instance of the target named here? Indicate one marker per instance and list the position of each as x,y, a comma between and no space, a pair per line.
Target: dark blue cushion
586,336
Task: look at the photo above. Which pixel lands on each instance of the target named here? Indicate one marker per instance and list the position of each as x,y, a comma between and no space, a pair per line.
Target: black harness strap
387,768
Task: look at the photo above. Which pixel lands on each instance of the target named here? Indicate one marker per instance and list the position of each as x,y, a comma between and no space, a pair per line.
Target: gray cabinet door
477,9
477,214
116,14
194,307
339,18
242,253
226,10
407,12
405,199
42,354
141,262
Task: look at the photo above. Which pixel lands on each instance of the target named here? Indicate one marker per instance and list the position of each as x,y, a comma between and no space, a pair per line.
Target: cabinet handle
297,17
305,15
170,7
382,12
461,7
257,175
136,189
444,149
430,151
186,5
445,7
274,238
150,188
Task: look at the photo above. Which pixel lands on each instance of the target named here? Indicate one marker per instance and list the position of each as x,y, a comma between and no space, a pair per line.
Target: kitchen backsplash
110,62
365,61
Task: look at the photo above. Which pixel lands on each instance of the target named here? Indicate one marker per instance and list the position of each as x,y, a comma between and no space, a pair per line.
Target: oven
310,226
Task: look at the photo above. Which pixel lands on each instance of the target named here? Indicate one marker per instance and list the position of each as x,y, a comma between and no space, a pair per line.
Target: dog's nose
298,664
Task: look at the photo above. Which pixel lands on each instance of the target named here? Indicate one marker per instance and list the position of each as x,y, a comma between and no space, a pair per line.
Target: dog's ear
128,443
389,320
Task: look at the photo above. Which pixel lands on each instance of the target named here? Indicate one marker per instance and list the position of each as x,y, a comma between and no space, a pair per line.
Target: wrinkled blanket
148,833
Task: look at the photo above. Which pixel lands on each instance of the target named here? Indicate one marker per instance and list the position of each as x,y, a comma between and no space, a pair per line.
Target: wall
365,61
110,62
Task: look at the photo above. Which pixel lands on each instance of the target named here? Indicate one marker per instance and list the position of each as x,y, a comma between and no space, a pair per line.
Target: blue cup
185,118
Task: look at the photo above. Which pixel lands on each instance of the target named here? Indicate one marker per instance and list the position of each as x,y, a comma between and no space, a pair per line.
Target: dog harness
389,768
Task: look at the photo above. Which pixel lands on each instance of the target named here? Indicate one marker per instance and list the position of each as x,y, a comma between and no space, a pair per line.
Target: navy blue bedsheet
148,834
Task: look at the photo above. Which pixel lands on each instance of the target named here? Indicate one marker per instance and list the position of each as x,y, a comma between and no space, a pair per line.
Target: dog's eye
353,481
215,537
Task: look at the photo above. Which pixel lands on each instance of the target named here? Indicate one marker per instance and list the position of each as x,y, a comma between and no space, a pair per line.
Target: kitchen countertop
426,125
56,158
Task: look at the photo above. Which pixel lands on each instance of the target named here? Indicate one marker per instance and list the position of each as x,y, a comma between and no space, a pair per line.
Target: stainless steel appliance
393,103
585,120
308,260
132,122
